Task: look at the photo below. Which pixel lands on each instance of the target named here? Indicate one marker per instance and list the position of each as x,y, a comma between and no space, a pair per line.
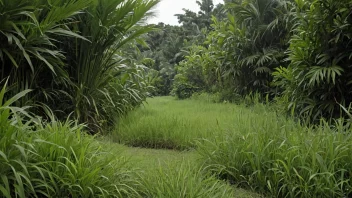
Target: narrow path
147,159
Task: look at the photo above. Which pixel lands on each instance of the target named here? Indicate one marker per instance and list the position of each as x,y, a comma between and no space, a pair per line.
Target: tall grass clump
186,180
276,156
55,159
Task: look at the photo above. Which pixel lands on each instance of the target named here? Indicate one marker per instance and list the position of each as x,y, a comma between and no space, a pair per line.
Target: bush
281,158
71,53
209,97
319,75
184,90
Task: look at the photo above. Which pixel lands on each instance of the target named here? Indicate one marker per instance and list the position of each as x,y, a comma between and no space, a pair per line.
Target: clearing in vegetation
165,122
253,147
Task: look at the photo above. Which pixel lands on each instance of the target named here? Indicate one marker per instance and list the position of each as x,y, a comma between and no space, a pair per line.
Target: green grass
253,147
174,174
58,159
165,122
147,159
250,147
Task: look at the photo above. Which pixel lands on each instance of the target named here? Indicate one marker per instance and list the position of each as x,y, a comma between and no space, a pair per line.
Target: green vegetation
253,147
55,159
70,53
165,122
278,157
71,69
168,173
298,52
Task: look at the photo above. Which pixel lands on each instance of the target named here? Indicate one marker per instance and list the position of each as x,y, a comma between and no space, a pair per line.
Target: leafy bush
30,33
242,50
320,54
184,90
104,81
281,158
203,96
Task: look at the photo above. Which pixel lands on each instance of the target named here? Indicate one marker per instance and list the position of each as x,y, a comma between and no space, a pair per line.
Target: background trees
169,46
246,46
298,51
90,56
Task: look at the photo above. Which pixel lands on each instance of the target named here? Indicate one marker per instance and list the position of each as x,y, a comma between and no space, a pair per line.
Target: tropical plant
101,79
195,73
29,33
320,54
70,51
244,49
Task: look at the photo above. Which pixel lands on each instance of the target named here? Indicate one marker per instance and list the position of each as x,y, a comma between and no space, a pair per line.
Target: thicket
70,53
298,52
65,71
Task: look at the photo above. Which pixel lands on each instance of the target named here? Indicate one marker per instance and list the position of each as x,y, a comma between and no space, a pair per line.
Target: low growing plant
55,159
281,158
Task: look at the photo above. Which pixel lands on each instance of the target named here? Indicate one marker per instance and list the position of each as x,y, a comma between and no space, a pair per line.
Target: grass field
175,174
252,147
178,149
161,138
165,122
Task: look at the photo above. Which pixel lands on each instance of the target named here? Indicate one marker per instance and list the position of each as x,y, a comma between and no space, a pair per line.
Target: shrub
319,75
184,90
70,53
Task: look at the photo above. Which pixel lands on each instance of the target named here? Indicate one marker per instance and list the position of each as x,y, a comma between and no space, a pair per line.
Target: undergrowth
58,159
281,158
55,159
251,146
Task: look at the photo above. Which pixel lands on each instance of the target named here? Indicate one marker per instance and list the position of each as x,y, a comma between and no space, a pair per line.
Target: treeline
298,53
168,46
71,54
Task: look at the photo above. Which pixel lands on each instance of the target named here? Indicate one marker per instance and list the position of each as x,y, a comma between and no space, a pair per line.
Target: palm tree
69,52
29,32
94,66
255,38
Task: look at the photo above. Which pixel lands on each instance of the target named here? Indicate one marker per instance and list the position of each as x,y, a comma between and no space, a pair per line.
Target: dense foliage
72,66
169,46
319,75
296,51
68,52
55,159
243,50
252,147
280,157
